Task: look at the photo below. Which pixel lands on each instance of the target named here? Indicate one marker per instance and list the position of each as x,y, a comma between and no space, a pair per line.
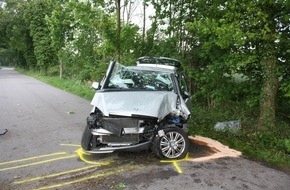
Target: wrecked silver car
140,107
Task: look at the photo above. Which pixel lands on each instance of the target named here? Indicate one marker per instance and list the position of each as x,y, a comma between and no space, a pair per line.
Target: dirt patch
212,149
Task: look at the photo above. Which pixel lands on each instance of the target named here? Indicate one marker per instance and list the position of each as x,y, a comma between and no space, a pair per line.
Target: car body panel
159,61
156,104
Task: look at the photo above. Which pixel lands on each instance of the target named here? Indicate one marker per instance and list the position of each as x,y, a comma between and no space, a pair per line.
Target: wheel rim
172,145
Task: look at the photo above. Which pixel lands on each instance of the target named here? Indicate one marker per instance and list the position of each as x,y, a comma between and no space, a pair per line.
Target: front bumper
109,149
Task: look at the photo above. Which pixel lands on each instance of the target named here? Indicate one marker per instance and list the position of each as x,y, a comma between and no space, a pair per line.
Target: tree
34,15
238,35
61,30
16,46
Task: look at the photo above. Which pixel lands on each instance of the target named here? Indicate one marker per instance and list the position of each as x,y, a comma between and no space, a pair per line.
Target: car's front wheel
87,138
171,143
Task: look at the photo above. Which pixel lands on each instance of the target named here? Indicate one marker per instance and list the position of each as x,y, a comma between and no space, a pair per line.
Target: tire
172,145
87,138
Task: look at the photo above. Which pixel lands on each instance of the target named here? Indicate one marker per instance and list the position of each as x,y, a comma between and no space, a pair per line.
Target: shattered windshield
140,78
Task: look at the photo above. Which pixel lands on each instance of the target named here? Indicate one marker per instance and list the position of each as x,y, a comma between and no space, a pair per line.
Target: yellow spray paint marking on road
103,174
56,174
82,155
177,167
175,162
36,163
46,158
75,145
32,158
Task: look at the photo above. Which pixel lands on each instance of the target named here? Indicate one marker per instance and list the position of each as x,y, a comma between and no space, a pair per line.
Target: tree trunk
144,22
129,12
268,95
118,10
60,69
170,19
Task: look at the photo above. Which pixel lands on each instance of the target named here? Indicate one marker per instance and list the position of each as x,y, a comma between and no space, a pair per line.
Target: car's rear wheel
171,144
87,138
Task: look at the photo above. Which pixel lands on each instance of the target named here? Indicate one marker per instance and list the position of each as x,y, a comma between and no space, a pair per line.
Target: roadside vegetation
79,88
235,54
271,147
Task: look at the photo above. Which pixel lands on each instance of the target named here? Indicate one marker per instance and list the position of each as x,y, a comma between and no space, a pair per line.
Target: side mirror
96,85
185,95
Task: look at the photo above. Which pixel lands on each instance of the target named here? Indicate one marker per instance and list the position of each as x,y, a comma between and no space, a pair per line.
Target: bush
272,147
53,71
204,117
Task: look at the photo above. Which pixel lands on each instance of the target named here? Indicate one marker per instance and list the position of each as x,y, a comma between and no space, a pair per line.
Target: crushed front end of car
138,108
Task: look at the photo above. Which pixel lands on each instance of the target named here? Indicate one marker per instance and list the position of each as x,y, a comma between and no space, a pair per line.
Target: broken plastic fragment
228,125
3,131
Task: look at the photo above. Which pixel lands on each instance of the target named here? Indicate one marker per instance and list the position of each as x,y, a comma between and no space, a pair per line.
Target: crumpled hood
123,103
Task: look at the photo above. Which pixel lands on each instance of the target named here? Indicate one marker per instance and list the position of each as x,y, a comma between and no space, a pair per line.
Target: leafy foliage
34,16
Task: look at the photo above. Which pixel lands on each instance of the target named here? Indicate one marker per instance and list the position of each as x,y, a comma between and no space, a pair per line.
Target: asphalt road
41,150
